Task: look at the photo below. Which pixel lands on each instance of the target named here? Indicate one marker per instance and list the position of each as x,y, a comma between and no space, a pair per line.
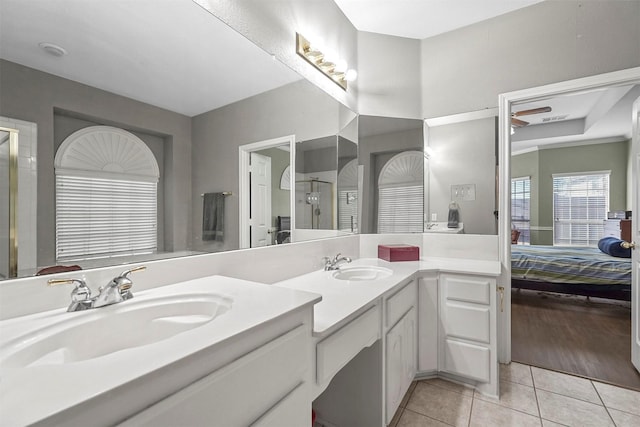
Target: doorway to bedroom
571,186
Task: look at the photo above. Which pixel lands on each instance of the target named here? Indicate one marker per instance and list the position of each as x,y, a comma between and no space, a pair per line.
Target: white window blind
521,208
580,204
99,218
401,194
400,209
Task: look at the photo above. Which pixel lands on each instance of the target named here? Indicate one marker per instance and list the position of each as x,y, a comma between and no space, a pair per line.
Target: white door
260,212
635,237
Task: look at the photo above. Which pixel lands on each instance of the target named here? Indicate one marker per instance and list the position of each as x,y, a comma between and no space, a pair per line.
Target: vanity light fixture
53,49
333,68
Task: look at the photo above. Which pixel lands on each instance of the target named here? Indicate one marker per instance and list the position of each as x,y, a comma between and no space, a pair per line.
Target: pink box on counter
392,252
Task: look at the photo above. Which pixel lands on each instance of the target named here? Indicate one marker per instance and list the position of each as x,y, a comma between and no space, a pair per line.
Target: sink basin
98,332
362,273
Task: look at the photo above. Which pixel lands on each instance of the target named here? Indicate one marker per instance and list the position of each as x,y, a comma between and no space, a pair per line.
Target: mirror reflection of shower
314,204
4,202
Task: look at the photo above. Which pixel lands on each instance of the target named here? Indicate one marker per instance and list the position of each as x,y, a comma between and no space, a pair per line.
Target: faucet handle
124,284
127,272
80,296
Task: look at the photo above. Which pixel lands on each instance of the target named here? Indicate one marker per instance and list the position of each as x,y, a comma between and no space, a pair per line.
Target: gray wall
464,153
373,152
389,76
32,95
465,70
586,158
299,108
310,158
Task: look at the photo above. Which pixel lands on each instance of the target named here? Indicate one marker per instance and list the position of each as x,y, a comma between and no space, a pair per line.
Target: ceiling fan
517,123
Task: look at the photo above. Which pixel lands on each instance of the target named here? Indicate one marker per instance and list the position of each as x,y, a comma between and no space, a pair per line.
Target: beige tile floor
529,396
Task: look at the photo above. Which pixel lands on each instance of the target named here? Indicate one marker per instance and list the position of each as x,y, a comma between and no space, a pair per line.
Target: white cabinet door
428,324
400,361
261,380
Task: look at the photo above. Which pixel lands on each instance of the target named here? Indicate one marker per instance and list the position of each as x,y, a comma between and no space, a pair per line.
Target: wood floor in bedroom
590,338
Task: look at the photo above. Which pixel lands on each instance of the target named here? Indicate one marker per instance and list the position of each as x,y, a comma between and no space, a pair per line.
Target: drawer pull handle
501,290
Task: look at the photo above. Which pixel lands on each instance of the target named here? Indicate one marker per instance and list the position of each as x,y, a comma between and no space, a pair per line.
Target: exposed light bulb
341,65
351,75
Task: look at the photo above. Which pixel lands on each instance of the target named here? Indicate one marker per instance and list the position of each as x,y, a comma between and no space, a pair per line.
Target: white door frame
244,152
624,77
635,237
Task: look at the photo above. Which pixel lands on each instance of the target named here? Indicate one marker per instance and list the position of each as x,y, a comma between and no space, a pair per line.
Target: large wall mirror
173,85
462,151
391,157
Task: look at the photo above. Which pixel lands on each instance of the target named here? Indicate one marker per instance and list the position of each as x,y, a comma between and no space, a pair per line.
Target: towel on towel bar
213,217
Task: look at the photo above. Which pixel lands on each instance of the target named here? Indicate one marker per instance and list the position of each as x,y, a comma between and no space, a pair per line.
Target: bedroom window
106,195
401,194
521,208
580,204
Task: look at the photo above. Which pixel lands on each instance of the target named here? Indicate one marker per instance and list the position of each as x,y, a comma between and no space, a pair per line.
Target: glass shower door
8,195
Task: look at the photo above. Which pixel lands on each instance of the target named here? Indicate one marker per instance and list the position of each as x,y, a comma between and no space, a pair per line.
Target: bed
570,270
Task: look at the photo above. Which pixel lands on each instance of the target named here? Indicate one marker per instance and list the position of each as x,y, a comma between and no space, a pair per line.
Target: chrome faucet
334,264
117,290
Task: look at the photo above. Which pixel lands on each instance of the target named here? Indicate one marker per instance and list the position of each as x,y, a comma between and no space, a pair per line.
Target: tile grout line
491,402
473,399
535,393
603,404
427,416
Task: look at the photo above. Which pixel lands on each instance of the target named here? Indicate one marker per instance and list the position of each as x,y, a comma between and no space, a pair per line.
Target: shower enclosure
8,202
314,204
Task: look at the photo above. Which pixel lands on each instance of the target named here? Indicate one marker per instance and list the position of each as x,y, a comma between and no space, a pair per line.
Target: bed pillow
611,246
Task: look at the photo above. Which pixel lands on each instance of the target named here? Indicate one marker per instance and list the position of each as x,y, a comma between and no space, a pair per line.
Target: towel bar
224,193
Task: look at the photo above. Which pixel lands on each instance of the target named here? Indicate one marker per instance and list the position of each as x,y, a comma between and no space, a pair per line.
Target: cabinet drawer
400,302
338,349
293,410
468,360
470,289
260,377
467,321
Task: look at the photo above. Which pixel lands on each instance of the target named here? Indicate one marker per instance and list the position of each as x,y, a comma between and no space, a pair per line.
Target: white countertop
443,227
342,300
32,393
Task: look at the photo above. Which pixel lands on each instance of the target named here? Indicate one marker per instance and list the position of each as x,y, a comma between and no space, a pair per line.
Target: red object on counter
398,252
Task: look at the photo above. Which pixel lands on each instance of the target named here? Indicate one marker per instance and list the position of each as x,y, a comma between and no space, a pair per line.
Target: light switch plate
464,192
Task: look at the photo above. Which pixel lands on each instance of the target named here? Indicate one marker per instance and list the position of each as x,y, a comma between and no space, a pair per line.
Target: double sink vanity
224,351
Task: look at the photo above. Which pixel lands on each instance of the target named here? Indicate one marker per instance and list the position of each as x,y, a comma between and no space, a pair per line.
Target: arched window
106,195
401,194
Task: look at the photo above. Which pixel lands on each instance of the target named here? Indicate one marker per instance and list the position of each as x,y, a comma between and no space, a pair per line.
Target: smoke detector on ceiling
53,49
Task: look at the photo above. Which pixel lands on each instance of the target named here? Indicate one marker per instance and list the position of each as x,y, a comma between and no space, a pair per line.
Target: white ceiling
419,19
171,53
